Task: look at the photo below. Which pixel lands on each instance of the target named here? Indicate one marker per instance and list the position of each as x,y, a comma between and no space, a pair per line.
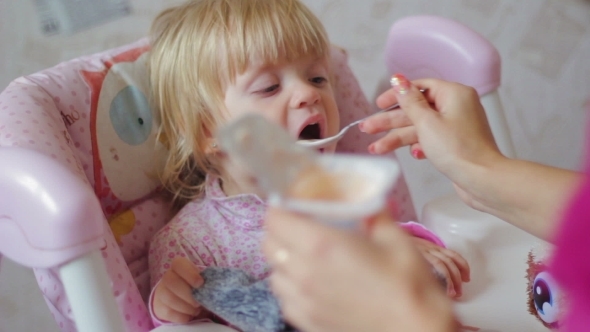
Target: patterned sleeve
166,245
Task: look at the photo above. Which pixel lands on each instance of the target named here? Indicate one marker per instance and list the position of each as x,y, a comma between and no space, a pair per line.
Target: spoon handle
390,108
329,140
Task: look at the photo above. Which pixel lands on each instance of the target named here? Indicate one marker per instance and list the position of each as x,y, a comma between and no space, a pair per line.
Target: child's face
296,95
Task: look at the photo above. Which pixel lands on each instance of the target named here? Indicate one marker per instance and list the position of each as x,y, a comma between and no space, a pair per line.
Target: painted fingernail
400,84
418,154
372,149
362,127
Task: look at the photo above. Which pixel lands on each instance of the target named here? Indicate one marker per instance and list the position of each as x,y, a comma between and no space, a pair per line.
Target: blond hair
197,49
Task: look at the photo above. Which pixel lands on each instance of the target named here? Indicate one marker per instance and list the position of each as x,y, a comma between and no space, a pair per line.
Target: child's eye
269,89
319,80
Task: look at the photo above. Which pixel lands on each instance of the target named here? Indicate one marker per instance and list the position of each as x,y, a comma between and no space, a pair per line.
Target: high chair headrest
433,46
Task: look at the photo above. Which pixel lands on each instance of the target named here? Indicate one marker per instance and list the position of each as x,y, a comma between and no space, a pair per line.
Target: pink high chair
496,298
78,151
79,197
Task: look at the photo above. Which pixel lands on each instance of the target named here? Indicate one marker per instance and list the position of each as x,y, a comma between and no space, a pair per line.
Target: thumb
411,100
385,231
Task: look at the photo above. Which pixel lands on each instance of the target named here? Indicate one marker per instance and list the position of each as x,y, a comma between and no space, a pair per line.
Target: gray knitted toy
240,300
245,303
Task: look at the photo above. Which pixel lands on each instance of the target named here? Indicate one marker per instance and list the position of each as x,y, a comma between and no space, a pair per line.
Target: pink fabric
214,231
570,264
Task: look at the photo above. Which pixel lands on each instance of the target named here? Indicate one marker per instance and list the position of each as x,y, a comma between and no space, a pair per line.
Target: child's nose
305,95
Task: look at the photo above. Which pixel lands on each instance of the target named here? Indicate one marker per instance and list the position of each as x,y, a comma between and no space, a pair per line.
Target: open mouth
311,132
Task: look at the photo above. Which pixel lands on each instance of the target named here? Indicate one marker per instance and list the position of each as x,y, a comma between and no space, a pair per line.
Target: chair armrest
432,46
48,216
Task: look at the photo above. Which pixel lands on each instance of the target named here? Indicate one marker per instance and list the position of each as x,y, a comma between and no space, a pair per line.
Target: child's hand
450,264
173,300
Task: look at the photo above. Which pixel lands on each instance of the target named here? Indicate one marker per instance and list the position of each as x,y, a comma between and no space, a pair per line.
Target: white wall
545,46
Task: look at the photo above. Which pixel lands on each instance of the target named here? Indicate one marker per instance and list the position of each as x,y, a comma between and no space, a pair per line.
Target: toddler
213,61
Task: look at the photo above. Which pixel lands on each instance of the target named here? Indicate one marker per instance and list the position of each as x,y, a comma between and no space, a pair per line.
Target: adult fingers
288,229
281,259
435,90
390,97
187,271
411,100
417,152
450,98
385,121
386,99
295,286
295,308
394,139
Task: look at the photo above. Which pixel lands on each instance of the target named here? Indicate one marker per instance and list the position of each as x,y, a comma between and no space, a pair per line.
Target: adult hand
336,280
173,300
447,124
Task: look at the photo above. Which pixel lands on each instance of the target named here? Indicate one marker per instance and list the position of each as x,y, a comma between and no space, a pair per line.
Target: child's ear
209,144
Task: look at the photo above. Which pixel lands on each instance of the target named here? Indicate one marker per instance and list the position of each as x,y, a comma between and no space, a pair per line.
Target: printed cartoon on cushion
126,154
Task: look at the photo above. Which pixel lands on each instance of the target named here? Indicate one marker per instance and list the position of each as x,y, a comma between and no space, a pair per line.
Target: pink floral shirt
214,231
222,231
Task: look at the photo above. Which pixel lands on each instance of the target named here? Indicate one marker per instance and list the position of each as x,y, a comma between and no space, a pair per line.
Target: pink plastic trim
419,230
48,216
436,47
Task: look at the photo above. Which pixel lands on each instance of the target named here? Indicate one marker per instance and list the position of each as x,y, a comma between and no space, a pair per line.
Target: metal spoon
323,142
